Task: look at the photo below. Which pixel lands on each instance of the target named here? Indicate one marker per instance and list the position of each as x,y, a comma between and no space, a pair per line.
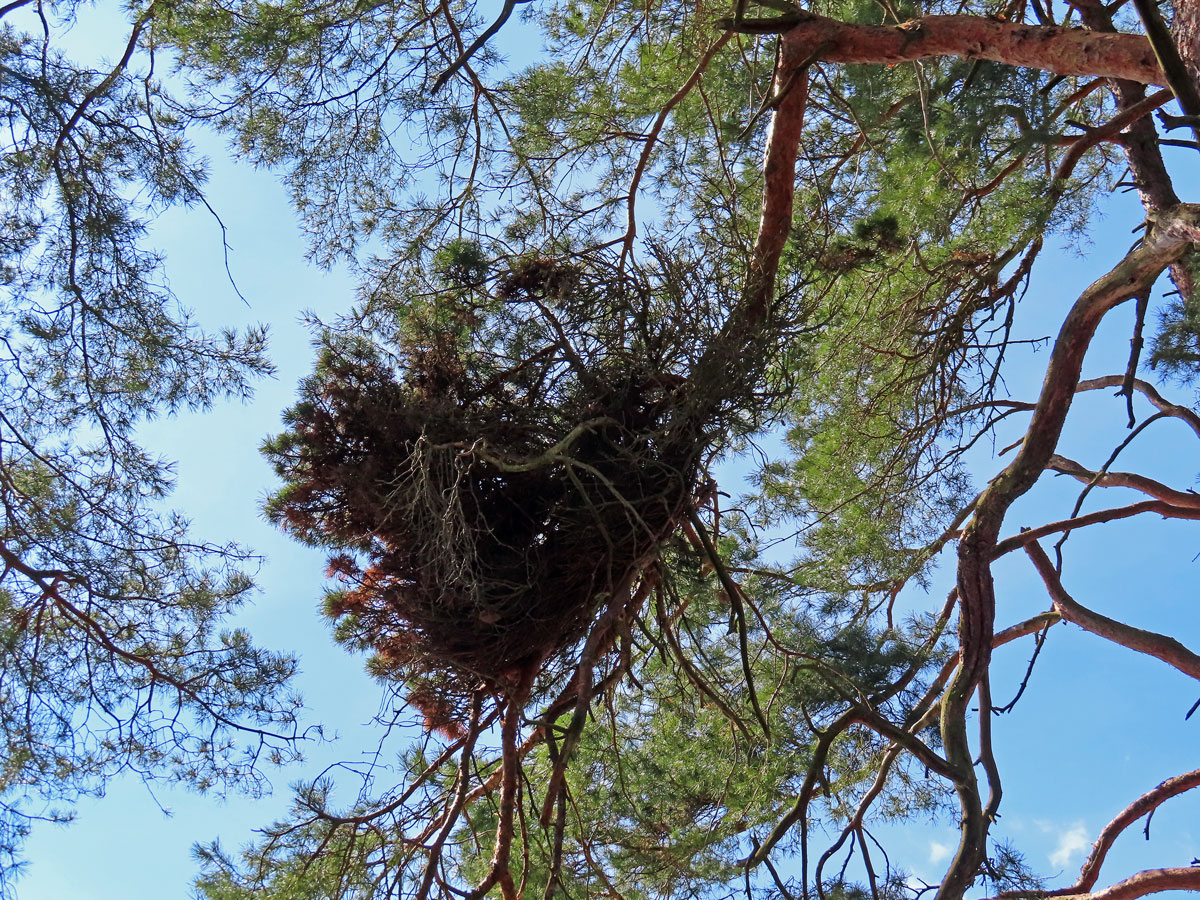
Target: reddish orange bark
1144,805
1150,881
1065,51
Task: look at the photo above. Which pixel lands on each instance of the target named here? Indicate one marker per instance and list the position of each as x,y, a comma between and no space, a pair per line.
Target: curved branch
800,809
1160,646
486,35
1175,230
1166,510
1176,410
1143,805
106,84
1131,480
1141,141
599,639
1151,881
908,741
1108,131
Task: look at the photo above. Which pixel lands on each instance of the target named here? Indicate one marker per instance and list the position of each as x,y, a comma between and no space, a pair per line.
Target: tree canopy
675,237
111,654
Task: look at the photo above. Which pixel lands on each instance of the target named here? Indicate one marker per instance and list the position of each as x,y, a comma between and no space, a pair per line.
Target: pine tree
604,269
649,290
111,654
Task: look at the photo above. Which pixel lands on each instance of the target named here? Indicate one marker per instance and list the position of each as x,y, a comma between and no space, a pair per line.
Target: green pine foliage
112,653
924,195
1176,346
630,683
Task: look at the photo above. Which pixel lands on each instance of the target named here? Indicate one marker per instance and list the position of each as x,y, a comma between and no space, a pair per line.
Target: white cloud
1072,843
937,852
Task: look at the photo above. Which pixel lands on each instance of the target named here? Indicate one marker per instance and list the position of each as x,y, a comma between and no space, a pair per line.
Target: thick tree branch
779,176
1128,117
745,327
1160,646
1166,510
1186,31
1178,227
500,873
1169,60
1141,141
1151,881
1064,51
1143,805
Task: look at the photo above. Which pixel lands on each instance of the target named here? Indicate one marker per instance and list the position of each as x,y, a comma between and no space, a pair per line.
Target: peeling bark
790,92
1186,31
1064,51
1154,185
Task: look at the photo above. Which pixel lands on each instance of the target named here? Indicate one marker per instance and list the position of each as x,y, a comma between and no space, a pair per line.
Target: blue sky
122,845
1096,728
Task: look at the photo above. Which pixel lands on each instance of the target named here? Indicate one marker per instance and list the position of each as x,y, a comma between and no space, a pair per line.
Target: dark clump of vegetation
493,480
